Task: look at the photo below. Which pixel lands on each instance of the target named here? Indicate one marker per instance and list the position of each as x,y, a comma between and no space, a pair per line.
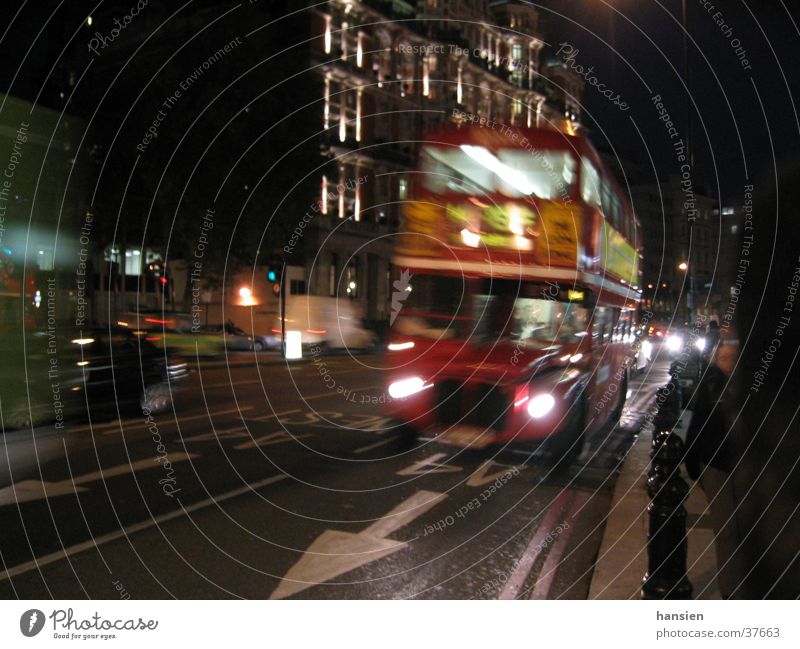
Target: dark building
677,276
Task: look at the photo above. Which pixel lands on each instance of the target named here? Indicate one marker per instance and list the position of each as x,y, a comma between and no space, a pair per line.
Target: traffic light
274,272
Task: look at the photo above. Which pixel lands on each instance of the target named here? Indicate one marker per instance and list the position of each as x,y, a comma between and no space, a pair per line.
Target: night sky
740,117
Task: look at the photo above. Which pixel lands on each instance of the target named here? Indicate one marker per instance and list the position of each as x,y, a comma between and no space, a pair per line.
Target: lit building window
327,34
360,50
358,115
343,108
133,262
324,201
426,82
402,189
357,204
516,110
459,88
326,112
516,53
44,259
344,41
406,73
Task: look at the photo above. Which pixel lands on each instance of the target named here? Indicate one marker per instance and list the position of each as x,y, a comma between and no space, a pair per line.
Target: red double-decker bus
517,285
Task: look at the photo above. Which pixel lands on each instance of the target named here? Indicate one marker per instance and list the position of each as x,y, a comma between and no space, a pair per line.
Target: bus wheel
566,446
407,437
17,417
156,398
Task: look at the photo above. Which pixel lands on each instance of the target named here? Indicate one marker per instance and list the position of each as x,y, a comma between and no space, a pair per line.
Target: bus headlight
674,343
540,405
406,387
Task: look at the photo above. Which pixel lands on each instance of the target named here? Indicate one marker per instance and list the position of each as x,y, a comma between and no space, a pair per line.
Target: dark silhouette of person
710,459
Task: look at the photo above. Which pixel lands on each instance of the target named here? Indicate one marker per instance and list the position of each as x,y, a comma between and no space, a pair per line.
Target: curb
622,558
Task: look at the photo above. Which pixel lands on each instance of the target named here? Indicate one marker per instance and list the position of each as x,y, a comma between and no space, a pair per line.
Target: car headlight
700,343
406,387
674,343
540,405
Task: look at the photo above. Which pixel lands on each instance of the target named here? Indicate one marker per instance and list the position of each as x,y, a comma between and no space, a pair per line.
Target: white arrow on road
334,553
28,490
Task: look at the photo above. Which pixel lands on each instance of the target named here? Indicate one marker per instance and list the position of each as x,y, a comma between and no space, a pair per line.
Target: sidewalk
622,559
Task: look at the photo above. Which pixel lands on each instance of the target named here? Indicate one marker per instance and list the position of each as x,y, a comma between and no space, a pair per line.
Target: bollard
666,540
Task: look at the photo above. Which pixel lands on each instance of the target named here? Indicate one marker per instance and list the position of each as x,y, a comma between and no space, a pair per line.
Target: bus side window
590,183
601,326
608,211
615,213
619,329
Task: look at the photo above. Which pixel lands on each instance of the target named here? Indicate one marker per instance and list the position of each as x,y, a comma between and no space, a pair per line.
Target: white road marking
516,581
123,422
334,393
479,477
28,490
548,572
222,434
230,383
235,431
335,553
278,437
274,414
39,562
430,465
377,444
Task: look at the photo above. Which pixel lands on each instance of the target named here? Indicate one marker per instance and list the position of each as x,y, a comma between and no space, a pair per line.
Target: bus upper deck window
550,174
590,183
450,170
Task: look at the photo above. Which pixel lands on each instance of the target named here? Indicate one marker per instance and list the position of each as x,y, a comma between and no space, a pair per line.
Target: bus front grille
483,405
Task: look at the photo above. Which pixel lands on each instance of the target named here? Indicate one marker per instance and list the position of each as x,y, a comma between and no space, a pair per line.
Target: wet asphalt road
270,484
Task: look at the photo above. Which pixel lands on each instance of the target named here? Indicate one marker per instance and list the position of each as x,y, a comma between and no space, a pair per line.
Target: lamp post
684,267
687,73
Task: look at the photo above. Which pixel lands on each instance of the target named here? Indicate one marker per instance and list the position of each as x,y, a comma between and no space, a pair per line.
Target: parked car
236,339
55,376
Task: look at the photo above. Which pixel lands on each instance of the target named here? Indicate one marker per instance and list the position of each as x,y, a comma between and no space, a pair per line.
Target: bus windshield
491,310
515,173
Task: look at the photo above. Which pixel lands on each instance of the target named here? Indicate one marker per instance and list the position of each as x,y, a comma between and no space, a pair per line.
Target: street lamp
683,266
